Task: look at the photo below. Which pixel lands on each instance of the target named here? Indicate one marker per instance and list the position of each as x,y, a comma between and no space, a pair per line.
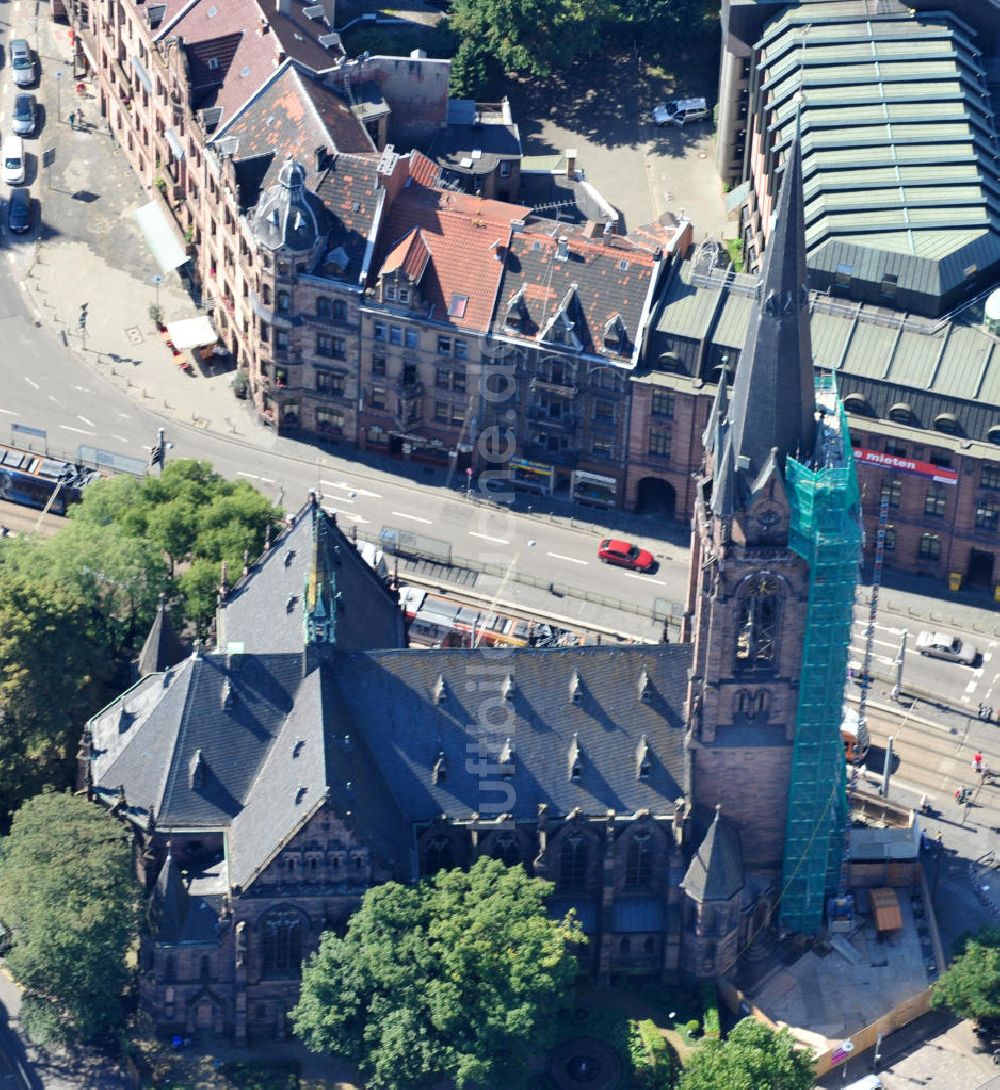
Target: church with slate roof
310,755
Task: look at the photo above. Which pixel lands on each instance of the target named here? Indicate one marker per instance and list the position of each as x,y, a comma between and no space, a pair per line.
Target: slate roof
716,870
289,215
464,235
368,617
350,193
162,647
387,696
610,275
475,148
294,114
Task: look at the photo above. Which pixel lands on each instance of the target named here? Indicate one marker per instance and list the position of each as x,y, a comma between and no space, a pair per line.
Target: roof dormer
561,327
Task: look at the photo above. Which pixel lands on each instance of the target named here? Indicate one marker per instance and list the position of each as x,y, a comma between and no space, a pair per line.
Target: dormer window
615,337
213,63
389,293
404,295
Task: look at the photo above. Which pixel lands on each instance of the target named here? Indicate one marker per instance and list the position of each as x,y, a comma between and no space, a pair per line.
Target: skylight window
456,308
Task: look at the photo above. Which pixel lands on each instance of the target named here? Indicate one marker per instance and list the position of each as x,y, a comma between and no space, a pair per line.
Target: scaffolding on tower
825,531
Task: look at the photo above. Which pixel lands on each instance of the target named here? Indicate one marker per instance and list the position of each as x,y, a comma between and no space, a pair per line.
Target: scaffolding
826,533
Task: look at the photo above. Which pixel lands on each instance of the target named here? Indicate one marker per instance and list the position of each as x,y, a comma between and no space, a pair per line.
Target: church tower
771,445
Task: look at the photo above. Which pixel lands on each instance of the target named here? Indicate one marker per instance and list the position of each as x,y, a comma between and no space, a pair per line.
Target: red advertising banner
906,465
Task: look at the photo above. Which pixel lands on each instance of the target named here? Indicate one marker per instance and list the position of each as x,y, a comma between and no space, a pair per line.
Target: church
686,800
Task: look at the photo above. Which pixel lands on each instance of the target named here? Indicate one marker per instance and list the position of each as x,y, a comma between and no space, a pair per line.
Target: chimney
571,163
562,251
284,7
322,158
224,582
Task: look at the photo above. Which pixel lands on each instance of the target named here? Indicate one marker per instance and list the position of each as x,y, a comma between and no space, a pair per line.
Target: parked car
680,111
939,645
19,211
626,555
24,116
22,63
13,160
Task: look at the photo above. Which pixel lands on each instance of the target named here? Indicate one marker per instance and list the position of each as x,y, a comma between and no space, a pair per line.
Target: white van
13,160
869,1082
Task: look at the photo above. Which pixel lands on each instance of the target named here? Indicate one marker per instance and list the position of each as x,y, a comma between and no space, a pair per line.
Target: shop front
532,476
418,448
593,489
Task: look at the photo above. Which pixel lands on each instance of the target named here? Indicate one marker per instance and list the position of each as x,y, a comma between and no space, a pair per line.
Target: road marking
79,431
971,687
31,382
568,559
966,700
267,480
415,518
644,578
350,515
251,476
82,389
351,488
120,438
9,412
987,655
486,537
124,416
89,423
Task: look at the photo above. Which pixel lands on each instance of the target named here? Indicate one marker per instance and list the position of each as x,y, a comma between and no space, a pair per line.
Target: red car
626,555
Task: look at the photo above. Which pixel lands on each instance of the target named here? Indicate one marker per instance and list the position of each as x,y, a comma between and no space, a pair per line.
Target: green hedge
710,1010
650,1056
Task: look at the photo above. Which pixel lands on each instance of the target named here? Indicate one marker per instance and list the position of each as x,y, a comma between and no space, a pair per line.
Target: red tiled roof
411,256
463,234
424,171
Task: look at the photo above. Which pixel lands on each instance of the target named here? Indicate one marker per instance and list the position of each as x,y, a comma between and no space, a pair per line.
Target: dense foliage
753,1057
75,609
69,897
971,985
453,978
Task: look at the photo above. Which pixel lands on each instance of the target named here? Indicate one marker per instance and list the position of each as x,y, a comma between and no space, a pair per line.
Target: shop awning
161,237
175,143
140,71
192,333
885,907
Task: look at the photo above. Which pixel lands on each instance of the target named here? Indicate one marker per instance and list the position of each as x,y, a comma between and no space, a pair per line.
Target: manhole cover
133,334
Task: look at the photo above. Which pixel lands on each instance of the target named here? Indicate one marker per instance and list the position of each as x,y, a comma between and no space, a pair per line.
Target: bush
710,1010
241,384
259,1076
692,1027
649,1055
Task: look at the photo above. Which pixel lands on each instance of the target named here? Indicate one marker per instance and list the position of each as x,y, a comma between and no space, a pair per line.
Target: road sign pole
897,689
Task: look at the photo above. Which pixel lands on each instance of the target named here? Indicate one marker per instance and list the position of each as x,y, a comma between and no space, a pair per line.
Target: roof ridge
237,113
174,764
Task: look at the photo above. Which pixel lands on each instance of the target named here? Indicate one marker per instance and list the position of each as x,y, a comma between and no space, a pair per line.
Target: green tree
68,895
533,37
452,978
971,985
753,1057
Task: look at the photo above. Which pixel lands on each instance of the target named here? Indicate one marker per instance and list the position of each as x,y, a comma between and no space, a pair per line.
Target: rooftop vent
440,691
439,773
562,248
643,760
507,758
297,748
508,687
575,688
289,557
575,760
314,11
329,41
228,696
197,769
300,793
645,685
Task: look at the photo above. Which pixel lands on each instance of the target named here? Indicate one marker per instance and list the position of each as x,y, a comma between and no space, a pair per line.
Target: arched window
639,861
438,855
281,942
324,307
507,849
573,861
757,626
339,310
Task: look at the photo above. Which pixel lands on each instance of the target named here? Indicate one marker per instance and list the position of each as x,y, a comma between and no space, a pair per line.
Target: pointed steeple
319,600
168,905
773,394
725,493
716,871
719,414
162,648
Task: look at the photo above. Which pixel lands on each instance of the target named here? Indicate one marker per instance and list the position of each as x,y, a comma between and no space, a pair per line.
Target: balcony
407,391
564,422
539,452
558,388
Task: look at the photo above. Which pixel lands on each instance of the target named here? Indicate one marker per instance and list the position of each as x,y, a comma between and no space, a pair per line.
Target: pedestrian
977,762
940,840
924,840
79,118
72,119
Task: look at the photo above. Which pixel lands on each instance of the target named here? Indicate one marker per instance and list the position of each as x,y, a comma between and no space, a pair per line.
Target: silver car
24,116
22,62
940,645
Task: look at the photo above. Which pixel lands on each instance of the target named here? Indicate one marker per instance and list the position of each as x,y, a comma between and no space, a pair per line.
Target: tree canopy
753,1057
452,978
69,897
75,609
971,985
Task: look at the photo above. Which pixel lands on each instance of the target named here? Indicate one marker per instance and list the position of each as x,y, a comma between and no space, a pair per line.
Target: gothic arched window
438,855
639,861
573,861
757,625
507,849
281,942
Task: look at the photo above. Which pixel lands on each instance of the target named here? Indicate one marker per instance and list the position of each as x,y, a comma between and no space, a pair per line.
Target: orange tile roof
411,255
466,237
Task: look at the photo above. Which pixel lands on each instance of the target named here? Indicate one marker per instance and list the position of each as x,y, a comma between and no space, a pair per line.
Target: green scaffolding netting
826,533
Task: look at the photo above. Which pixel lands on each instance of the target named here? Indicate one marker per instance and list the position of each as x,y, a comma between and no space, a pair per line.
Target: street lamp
58,97
157,281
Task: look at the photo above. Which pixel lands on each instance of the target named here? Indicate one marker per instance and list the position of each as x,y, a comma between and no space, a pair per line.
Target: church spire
773,400
162,648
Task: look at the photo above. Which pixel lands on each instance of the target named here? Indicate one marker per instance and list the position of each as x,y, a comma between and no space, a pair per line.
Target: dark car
626,555
19,211
24,116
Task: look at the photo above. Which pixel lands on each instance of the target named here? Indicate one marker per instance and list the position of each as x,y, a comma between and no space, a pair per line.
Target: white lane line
89,423
987,655
644,578
267,480
966,700
31,382
120,438
568,559
9,412
414,518
350,515
351,488
251,476
79,431
486,537
971,687
81,389
342,499
124,416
